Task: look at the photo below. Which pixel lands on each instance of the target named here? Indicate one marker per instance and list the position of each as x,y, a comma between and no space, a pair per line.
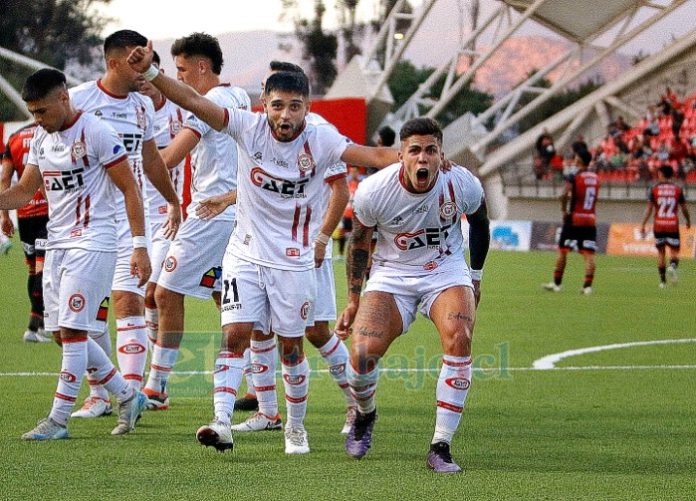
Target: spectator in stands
677,120
545,151
653,124
385,137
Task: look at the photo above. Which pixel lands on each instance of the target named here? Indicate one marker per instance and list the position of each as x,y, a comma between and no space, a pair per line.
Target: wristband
151,73
322,238
139,242
476,275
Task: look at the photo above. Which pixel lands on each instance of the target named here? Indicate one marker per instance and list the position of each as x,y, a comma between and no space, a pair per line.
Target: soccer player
268,266
81,163
192,266
664,198
115,99
579,231
419,264
169,119
31,220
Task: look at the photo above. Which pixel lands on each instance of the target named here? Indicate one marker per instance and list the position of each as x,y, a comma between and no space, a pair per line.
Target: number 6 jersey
81,197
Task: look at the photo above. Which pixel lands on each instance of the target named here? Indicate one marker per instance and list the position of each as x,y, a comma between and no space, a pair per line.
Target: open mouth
422,175
285,128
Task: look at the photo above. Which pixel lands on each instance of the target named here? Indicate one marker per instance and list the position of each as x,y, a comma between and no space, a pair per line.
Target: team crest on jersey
305,162
175,127
78,150
304,310
210,276
448,210
170,264
76,303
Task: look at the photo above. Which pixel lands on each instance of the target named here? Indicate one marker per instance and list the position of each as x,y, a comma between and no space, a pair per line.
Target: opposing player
169,120
579,231
193,263
418,265
115,99
81,163
268,265
31,220
664,198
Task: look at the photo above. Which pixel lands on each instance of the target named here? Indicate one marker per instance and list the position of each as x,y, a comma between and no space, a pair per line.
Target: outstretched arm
370,156
20,194
140,59
157,173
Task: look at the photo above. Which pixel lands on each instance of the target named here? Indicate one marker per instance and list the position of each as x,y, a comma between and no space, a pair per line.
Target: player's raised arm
140,59
370,156
22,192
122,176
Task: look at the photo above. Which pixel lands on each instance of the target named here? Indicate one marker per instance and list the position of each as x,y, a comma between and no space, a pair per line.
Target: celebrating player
81,162
416,209
664,198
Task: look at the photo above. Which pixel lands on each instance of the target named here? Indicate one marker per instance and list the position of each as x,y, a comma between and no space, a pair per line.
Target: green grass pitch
615,424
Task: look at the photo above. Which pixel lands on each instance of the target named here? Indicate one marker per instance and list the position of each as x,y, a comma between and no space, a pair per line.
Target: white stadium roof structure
595,29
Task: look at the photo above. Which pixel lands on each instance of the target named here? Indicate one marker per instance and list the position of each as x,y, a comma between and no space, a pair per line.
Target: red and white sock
363,387
264,359
131,349
163,359
248,375
103,339
452,389
152,324
335,355
229,369
106,374
296,381
72,368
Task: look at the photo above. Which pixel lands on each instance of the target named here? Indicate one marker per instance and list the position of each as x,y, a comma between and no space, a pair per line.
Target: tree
55,32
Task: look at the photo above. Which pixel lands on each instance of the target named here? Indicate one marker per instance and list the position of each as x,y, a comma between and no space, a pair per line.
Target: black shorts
667,238
31,229
578,238
347,224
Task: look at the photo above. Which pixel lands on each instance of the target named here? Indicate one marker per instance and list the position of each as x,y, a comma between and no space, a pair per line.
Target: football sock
102,339
452,389
248,374
152,323
296,381
335,355
363,388
229,368
557,276
264,359
163,359
106,374
662,270
131,348
72,368
674,262
588,280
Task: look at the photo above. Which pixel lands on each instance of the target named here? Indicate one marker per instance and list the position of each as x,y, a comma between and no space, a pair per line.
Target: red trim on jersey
78,214
450,407
85,160
198,134
88,203
305,228
164,101
295,223
335,177
101,87
113,163
226,84
72,121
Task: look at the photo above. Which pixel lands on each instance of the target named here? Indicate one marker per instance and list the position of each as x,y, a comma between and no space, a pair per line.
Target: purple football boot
360,436
440,460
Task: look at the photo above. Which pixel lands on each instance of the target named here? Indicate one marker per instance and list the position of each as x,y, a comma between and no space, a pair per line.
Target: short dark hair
666,170
200,44
421,126
585,156
156,58
286,81
42,83
285,66
122,39
387,135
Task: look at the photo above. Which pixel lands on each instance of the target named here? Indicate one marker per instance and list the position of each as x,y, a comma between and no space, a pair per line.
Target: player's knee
291,350
318,334
459,342
165,299
150,301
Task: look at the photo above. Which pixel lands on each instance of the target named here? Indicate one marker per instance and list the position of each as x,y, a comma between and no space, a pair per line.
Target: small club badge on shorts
305,163
448,210
78,150
76,302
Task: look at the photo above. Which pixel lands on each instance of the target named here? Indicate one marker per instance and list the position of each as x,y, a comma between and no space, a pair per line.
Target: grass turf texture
568,434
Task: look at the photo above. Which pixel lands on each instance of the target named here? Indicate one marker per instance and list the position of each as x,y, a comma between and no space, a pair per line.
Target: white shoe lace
296,436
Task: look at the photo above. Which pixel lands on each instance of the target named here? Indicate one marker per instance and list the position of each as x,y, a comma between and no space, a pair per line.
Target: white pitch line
434,371
550,361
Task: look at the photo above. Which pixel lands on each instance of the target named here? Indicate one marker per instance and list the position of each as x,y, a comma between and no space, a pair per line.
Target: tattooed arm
356,266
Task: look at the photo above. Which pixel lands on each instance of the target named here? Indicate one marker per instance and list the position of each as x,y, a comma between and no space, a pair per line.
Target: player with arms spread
418,264
81,163
579,231
664,198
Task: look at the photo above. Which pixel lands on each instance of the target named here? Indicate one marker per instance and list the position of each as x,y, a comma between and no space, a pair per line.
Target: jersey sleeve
336,171
472,191
33,158
108,147
333,143
237,121
362,207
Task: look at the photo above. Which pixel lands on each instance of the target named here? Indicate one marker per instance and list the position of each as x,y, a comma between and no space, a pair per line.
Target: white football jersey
169,119
131,116
281,190
214,159
81,197
417,232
